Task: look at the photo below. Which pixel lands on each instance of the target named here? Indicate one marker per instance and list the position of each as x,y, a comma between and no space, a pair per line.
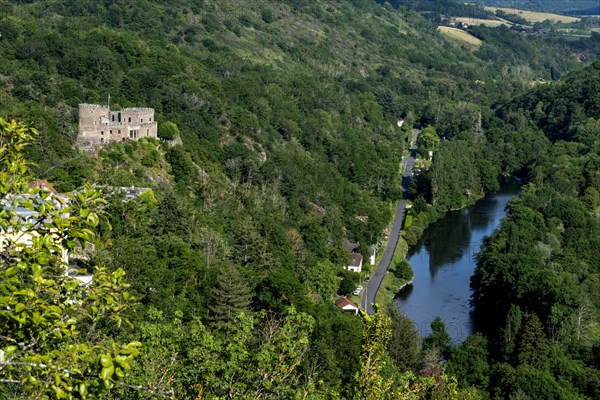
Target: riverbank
444,262
393,280
418,219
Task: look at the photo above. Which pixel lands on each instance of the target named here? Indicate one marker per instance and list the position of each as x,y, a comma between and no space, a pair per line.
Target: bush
346,286
403,270
267,15
168,131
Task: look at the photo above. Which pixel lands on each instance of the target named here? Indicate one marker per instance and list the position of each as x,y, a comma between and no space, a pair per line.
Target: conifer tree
230,296
533,346
404,345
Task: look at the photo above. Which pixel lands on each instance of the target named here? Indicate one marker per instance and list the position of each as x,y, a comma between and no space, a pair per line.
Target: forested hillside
287,116
536,284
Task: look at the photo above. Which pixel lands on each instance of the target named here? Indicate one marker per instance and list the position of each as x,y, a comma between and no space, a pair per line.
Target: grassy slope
478,21
460,35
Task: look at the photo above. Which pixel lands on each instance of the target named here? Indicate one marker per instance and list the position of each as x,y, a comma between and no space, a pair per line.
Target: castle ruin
98,125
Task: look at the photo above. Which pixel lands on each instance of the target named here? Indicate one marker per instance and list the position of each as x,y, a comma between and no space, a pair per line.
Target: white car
358,290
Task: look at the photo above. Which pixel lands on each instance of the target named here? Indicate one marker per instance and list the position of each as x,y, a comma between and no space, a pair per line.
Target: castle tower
93,125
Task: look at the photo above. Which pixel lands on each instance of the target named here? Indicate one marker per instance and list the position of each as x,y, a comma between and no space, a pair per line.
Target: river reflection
443,262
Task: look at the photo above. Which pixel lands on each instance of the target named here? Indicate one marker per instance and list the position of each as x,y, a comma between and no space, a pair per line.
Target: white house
356,263
347,305
372,254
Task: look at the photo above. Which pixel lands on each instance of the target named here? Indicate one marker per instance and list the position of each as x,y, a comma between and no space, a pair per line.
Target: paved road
370,294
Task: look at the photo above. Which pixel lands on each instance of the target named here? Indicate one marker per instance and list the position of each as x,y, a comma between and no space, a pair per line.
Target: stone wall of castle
98,125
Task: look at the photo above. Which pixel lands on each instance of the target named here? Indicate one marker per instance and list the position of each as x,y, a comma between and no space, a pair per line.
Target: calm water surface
443,262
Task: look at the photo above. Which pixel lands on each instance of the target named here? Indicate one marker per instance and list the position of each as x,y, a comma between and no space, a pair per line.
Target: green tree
252,357
171,217
439,337
511,332
168,131
427,141
50,343
347,285
533,346
267,15
404,346
279,290
321,278
230,296
404,271
377,381
469,362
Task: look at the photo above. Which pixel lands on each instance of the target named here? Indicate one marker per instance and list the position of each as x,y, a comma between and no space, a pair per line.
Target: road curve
368,298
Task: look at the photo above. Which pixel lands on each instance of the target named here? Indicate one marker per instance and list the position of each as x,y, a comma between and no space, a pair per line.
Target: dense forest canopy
286,113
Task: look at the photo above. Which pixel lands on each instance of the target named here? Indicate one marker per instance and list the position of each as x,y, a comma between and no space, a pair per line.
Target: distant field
460,35
478,21
534,16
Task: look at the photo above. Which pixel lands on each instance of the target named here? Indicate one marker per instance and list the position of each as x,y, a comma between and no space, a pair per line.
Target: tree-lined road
368,298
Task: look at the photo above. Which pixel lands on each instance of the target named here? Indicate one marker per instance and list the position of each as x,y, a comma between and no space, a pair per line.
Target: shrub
168,131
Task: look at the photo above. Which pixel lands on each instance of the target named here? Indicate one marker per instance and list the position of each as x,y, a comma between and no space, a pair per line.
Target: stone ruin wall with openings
98,125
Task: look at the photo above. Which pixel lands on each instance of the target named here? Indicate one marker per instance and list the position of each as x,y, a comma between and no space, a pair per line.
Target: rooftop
344,302
349,246
356,260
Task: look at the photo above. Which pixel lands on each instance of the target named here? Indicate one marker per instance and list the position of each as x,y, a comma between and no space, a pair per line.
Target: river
443,262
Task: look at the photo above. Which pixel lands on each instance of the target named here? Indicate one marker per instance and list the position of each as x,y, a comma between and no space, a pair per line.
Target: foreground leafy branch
48,316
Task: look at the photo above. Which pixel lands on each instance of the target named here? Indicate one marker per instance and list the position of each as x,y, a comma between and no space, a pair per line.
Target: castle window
129,119
101,140
113,117
119,131
111,131
119,117
142,120
102,132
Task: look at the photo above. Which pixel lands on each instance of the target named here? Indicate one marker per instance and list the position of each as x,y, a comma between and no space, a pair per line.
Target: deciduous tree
50,345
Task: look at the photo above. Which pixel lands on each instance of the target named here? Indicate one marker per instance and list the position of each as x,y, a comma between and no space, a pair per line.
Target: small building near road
372,254
347,305
355,264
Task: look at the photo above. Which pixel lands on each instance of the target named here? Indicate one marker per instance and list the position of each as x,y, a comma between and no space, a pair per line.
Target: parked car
367,278
358,290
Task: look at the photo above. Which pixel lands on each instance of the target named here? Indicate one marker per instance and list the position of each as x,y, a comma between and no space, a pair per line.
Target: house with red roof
43,184
347,305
